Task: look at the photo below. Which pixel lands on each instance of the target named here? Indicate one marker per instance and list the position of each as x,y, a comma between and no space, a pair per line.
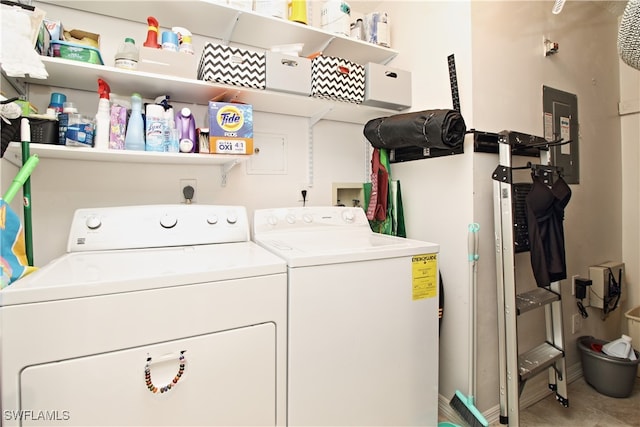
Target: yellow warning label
424,276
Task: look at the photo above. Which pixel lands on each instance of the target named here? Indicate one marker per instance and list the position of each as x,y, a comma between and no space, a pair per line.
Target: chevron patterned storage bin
337,78
233,66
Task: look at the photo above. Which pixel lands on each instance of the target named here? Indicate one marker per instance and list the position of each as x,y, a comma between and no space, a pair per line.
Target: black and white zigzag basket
337,79
233,66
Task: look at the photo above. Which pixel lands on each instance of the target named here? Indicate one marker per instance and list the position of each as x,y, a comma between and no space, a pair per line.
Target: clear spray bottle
103,117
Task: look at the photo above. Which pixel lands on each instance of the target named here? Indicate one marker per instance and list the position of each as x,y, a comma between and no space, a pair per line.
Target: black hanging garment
545,214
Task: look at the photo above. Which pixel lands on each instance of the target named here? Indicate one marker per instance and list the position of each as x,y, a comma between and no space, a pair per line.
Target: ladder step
537,360
533,299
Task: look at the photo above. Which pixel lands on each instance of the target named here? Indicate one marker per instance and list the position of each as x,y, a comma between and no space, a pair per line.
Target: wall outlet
576,323
185,183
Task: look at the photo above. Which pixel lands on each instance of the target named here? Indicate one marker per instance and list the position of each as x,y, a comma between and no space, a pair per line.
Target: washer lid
307,248
82,274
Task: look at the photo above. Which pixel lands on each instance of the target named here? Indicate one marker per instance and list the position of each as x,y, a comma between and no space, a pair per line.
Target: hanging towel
384,199
13,255
444,129
545,216
377,208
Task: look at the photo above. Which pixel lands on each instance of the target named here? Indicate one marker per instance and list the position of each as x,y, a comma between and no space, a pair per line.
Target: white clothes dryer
363,319
156,315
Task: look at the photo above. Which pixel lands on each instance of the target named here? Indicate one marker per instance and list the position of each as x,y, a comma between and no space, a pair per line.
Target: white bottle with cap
127,56
620,348
184,39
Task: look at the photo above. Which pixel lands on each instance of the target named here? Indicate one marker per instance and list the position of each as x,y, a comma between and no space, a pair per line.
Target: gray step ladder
510,232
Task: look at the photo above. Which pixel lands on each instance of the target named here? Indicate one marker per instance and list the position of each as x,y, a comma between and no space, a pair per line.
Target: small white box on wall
387,87
287,73
162,61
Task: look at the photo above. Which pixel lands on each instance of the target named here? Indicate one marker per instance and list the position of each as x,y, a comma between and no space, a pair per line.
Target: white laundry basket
633,316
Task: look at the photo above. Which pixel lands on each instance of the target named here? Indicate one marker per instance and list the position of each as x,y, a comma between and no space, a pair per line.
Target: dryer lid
82,274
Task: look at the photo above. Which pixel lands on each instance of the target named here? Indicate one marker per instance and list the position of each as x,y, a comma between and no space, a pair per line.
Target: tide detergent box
230,128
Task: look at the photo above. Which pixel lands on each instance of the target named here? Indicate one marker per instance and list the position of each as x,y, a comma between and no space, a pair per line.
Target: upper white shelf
209,19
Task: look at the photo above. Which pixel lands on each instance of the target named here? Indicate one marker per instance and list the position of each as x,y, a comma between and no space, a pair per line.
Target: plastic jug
620,348
134,137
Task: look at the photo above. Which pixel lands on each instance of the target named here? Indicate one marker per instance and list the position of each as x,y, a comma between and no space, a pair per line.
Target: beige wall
501,71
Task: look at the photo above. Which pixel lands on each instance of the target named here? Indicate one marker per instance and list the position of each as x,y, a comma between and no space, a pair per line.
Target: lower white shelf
51,151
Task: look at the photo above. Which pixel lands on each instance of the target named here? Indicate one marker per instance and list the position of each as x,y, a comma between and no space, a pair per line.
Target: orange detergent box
230,128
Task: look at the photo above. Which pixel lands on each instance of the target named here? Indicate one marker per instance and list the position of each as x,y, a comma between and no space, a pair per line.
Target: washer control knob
93,222
168,221
212,219
308,218
348,216
291,218
272,220
232,218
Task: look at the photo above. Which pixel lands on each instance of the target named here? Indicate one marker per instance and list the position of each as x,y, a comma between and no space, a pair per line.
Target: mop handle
473,241
23,174
473,330
25,136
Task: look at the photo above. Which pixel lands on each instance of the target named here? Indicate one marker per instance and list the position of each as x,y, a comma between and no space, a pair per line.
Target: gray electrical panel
561,123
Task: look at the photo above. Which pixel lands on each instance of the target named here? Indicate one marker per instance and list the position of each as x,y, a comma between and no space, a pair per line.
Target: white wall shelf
52,151
70,74
242,27
208,19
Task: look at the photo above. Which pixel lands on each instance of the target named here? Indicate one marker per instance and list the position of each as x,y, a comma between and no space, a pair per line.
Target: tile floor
587,408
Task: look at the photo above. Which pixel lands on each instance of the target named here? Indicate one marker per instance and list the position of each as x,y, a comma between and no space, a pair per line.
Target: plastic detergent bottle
103,117
57,102
134,138
297,11
152,33
128,55
184,37
169,41
619,348
186,125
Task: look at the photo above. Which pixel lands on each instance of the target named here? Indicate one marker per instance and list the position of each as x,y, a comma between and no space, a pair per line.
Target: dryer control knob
291,218
213,219
272,220
168,221
308,218
93,222
348,216
232,218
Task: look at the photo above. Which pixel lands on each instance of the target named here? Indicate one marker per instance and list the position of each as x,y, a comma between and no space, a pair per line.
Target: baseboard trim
534,392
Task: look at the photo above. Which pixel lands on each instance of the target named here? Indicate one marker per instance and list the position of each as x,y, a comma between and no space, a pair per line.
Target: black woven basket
10,132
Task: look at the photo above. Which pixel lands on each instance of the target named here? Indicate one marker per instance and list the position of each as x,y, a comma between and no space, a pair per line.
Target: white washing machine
363,319
157,315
